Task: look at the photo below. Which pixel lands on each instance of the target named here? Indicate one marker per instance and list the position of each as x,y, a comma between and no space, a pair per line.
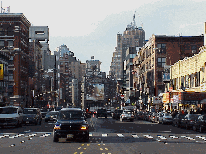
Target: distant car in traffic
165,118
101,113
200,124
189,120
51,116
32,116
43,112
177,120
11,116
127,115
117,113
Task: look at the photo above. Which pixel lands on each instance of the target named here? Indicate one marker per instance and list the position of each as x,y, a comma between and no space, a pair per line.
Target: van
11,116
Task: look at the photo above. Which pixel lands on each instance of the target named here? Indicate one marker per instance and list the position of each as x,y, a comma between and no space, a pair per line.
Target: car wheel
46,120
106,117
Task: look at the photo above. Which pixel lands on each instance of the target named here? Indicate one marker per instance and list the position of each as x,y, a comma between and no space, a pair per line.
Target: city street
107,136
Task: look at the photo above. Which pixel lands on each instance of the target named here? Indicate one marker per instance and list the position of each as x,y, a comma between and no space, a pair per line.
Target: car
71,124
200,124
177,120
101,113
11,116
127,115
109,112
32,116
43,112
117,113
188,121
165,118
51,116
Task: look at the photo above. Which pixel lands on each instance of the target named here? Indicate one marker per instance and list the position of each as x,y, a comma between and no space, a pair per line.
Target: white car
165,118
127,115
11,116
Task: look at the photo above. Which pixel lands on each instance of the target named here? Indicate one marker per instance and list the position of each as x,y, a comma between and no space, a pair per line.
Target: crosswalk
96,137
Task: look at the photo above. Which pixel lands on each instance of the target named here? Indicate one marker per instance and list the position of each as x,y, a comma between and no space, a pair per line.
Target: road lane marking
120,135
104,135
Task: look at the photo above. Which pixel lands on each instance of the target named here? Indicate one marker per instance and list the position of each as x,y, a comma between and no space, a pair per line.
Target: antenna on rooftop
134,24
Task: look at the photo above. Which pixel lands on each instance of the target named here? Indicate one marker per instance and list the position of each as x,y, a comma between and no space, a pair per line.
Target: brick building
159,51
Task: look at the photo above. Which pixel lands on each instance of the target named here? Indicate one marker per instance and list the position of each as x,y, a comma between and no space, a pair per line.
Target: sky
89,28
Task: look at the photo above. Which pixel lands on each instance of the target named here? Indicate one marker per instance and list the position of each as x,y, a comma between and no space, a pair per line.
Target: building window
194,48
2,43
161,62
10,43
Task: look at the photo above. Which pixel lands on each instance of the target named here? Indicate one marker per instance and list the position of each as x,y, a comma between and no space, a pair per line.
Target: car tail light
132,116
83,127
57,127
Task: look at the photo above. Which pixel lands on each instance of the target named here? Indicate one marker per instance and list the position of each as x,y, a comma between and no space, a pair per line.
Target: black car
43,112
71,124
177,120
117,113
101,113
200,124
32,116
188,120
51,116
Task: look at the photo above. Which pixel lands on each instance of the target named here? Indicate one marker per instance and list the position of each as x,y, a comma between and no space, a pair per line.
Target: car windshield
167,114
69,115
101,110
8,110
29,111
52,113
193,116
127,112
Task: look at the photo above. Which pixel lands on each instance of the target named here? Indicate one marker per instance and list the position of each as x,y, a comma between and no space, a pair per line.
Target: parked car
108,112
177,120
153,117
43,112
117,113
51,116
165,118
11,116
32,116
127,115
71,124
188,121
101,113
200,124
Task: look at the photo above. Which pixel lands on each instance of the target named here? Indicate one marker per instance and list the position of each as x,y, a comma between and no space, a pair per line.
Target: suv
101,113
32,116
11,116
117,113
71,124
127,115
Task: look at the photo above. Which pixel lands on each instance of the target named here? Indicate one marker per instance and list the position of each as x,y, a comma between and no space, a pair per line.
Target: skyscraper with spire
133,36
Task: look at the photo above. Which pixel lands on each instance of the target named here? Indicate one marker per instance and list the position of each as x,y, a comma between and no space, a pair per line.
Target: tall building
133,36
41,34
92,67
14,32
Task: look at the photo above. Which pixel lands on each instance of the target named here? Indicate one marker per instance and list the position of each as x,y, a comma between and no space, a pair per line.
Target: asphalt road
107,136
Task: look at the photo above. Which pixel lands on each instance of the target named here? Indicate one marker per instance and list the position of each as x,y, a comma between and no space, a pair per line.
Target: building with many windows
159,51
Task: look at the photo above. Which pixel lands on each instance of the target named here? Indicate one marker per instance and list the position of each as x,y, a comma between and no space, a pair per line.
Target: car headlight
57,126
84,127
